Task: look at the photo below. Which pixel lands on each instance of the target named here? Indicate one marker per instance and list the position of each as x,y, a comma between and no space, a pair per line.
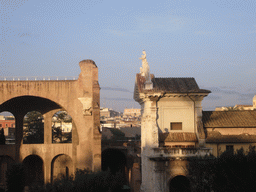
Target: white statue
144,70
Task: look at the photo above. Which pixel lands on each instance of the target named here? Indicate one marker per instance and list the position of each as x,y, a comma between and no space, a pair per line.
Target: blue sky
212,41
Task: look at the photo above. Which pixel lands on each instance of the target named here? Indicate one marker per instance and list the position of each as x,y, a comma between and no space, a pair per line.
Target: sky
212,41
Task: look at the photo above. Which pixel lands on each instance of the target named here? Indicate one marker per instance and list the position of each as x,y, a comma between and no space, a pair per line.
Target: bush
15,178
85,181
229,172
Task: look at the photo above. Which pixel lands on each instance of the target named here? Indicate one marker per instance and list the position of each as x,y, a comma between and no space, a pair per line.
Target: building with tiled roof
229,130
174,128
171,126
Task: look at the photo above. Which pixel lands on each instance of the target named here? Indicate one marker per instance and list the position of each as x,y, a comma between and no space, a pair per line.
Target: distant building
107,112
8,124
132,112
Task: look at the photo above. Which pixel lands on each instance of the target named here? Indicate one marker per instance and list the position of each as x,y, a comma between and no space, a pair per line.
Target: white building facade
171,127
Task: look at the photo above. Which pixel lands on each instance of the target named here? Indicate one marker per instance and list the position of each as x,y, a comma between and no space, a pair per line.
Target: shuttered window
176,126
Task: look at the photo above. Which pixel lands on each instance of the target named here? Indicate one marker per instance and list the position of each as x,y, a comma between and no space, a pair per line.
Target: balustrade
180,152
37,78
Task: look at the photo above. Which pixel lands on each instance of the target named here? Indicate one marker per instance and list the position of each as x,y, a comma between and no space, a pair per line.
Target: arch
5,164
20,105
61,166
33,128
179,183
24,104
34,170
62,127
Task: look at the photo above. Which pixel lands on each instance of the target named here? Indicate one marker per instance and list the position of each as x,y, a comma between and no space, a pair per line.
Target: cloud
115,89
231,90
24,35
213,97
221,90
118,99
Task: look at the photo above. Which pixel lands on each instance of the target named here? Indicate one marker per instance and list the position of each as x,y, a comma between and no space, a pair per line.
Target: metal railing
38,78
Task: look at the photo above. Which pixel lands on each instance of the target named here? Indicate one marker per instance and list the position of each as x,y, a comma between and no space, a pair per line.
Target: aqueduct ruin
80,99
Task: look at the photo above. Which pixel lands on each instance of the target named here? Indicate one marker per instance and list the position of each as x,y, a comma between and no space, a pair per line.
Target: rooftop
239,119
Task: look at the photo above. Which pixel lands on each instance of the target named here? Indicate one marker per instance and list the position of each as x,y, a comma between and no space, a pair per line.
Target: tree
229,172
33,128
58,136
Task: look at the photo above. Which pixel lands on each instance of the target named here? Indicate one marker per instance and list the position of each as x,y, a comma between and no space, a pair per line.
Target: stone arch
62,127
20,105
179,183
5,164
61,166
34,170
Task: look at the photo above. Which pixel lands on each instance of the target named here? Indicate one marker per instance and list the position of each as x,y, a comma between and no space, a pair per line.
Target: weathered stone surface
80,98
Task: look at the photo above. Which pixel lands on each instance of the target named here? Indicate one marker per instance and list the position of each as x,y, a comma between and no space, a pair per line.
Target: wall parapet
38,78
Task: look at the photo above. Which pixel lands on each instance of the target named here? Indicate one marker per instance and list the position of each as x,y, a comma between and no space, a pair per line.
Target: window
176,126
0,125
230,148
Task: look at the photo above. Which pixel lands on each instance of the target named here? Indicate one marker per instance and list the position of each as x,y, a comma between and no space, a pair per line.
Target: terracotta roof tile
171,85
178,137
241,119
217,137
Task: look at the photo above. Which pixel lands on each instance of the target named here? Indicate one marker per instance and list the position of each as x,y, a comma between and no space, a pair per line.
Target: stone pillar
47,169
149,140
18,135
47,143
48,126
160,176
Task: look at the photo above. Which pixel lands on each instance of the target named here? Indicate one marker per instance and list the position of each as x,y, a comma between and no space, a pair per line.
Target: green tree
229,172
33,128
58,136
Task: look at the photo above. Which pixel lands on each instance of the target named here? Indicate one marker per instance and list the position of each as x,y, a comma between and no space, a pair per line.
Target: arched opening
33,168
61,127
5,164
7,128
179,183
62,166
115,161
33,128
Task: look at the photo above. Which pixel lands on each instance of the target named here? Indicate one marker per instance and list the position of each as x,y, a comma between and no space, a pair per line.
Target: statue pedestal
148,85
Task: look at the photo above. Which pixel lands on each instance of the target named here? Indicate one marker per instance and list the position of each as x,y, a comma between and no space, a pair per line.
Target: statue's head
144,52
